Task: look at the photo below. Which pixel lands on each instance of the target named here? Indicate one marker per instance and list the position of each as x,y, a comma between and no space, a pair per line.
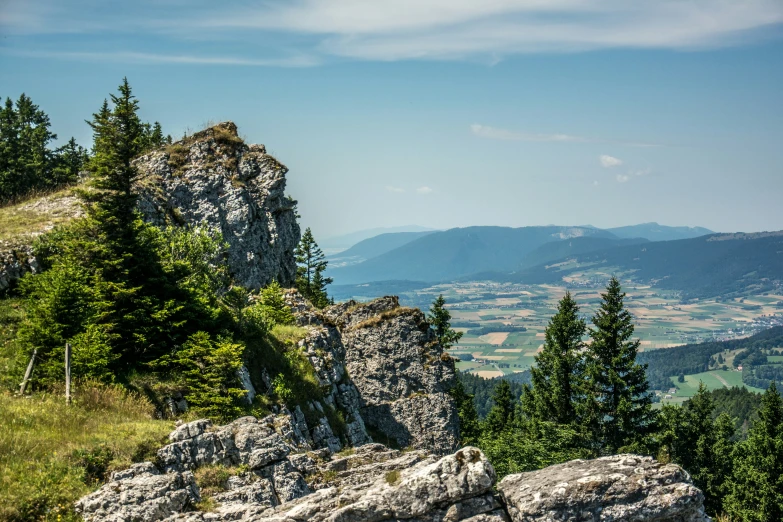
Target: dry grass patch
37,215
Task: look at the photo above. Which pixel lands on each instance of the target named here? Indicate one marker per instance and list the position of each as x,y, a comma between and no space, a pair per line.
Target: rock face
210,179
619,487
386,370
213,179
277,478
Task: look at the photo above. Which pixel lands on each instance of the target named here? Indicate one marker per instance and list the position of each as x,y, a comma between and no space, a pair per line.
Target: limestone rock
619,487
213,179
147,496
401,373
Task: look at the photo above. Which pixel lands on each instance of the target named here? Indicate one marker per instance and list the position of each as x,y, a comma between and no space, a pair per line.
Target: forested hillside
703,267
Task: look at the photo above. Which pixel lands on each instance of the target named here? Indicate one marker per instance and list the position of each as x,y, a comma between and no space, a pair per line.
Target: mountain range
700,266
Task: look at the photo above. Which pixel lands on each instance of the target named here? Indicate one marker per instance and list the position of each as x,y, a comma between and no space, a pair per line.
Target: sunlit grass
46,447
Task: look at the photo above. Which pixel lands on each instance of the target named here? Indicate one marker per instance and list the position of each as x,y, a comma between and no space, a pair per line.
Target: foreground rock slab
619,487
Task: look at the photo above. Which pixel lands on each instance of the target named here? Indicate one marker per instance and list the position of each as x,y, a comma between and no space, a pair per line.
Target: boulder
619,487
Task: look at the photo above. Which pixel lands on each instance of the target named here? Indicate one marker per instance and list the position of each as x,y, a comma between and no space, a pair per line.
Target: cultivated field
662,320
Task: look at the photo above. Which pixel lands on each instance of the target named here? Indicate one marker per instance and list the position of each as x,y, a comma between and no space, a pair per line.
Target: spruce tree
440,320
558,374
311,262
618,404
756,487
469,426
502,415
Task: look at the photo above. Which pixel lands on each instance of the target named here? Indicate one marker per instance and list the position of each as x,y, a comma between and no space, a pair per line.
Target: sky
445,113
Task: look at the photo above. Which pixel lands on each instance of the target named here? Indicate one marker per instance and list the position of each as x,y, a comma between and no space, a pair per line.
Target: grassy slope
46,447
37,214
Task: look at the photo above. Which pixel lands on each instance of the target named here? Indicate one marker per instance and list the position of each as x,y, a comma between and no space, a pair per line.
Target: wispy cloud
152,58
424,190
496,133
389,188
622,178
608,161
414,29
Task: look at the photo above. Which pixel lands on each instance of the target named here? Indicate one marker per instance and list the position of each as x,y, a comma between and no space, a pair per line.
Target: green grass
711,381
12,360
52,454
772,359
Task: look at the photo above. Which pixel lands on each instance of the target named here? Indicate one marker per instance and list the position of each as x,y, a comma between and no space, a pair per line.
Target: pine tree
756,487
618,403
311,262
440,319
469,426
558,374
502,415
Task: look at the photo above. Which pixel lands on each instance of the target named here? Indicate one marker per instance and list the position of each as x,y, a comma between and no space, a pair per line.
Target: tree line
28,161
592,398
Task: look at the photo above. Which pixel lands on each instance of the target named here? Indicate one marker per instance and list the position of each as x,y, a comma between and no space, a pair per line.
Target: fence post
28,373
68,373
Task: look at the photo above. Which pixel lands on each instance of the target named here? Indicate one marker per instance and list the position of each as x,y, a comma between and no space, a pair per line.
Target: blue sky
445,112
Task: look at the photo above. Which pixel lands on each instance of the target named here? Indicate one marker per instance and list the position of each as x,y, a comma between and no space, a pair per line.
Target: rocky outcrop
619,487
275,477
386,372
211,179
214,179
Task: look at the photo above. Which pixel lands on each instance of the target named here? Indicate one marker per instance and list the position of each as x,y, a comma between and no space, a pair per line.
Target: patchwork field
521,312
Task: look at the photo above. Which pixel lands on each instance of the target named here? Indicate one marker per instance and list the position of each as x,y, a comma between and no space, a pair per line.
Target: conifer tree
618,404
440,319
756,487
502,415
469,426
311,262
558,374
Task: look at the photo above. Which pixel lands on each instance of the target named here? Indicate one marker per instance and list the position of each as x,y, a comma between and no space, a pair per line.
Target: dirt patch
508,350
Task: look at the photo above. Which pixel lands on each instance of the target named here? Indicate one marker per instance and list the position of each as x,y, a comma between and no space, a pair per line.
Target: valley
503,323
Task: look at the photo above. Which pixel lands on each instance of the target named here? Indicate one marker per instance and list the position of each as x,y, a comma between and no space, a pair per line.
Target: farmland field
521,312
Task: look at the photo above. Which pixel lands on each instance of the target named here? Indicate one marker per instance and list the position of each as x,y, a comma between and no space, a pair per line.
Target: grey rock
401,374
216,181
247,384
144,496
619,487
142,468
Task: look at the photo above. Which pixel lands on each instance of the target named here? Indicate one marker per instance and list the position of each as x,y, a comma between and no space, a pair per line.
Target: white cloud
496,133
424,190
390,188
414,29
146,58
622,178
609,161
595,183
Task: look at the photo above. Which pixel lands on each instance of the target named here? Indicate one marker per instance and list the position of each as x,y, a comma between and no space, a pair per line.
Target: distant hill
557,250
447,255
334,244
374,246
655,232
706,266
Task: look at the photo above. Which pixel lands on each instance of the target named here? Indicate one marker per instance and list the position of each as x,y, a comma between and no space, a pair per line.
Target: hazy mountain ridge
458,252
373,247
655,232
